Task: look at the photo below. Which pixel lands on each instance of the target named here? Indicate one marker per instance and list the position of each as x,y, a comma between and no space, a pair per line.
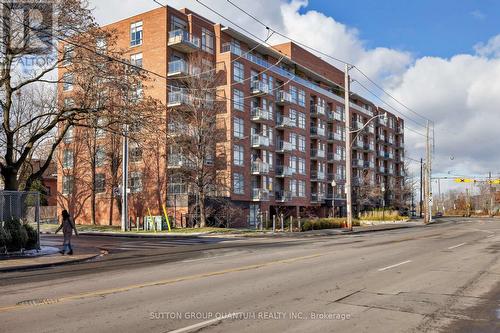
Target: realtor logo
27,27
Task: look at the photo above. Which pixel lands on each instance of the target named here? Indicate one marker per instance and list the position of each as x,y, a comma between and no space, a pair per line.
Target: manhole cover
40,301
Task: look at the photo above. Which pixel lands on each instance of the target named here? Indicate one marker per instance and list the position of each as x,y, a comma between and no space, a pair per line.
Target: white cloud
490,49
477,14
460,93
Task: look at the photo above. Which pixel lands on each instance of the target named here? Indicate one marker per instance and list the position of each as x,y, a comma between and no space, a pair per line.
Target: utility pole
421,185
491,195
125,180
348,152
428,172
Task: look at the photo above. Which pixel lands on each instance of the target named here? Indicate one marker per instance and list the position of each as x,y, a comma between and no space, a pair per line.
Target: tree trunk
10,178
201,204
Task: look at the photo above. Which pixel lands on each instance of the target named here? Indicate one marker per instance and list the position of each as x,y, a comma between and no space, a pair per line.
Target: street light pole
333,183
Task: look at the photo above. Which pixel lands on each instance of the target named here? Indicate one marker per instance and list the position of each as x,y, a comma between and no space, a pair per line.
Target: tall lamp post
382,189
333,183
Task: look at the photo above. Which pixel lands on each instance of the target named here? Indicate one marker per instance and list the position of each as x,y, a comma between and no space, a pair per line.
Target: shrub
15,236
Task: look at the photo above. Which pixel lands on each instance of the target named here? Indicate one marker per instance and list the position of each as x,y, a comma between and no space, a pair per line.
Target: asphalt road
444,277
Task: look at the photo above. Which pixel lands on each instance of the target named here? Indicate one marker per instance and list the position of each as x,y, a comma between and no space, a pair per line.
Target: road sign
495,181
464,180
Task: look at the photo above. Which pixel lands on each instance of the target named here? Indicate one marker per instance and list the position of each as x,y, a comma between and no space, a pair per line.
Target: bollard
291,224
282,228
298,219
274,223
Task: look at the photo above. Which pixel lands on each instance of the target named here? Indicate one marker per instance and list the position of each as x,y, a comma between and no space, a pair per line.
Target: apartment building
284,115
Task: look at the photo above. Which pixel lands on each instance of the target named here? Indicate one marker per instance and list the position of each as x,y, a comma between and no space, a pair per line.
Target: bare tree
195,129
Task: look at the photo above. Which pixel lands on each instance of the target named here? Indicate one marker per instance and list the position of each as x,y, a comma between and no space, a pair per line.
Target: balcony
318,176
339,177
258,114
183,41
391,171
381,169
284,121
259,88
369,165
260,194
335,157
369,146
283,196
283,171
178,161
283,97
318,153
371,129
317,109
338,116
317,197
358,124
358,143
178,68
259,141
358,163
260,168
284,146
317,131
178,98
381,137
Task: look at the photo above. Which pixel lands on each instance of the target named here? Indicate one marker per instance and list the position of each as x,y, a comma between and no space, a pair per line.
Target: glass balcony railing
260,141
260,168
284,171
260,194
183,41
284,146
259,114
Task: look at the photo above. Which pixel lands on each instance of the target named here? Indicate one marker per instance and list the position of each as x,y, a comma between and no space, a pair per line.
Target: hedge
15,236
325,223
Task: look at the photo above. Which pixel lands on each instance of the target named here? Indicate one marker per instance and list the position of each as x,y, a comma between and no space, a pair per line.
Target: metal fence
24,206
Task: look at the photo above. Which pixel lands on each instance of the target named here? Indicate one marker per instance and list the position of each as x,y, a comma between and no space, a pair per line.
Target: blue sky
424,27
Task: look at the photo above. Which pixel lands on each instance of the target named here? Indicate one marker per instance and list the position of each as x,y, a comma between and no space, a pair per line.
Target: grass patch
381,215
326,223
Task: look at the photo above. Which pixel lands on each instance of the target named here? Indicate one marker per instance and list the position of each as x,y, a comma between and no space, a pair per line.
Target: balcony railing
178,161
176,98
178,67
317,131
317,153
284,146
358,163
317,109
259,114
283,97
368,164
335,157
183,41
284,121
338,116
317,197
369,146
259,141
259,87
381,169
318,175
260,194
381,137
283,196
284,171
371,129
260,168
339,177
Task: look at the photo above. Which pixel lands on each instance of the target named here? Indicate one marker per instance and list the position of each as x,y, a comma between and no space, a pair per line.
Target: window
101,45
302,120
293,187
294,95
302,143
293,116
69,53
68,79
239,153
293,164
302,166
100,156
293,140
238,183
68,137
100,183
100,131
302,98
238,99
207,41
136,33
68,159
67,185
301,189
135,182
238,72
239,130
136,92
135,152
136,59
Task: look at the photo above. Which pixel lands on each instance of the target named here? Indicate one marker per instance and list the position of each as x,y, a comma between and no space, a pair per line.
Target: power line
320,52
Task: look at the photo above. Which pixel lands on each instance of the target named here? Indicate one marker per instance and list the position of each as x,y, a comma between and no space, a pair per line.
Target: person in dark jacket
67,226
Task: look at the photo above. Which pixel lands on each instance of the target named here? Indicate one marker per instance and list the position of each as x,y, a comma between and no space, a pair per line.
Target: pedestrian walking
67,226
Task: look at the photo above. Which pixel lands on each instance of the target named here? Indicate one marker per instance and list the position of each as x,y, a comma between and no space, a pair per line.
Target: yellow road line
165,282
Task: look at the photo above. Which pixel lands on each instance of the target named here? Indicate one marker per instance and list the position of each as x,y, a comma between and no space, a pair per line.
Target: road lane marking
455,246
104,292
395,265
203,324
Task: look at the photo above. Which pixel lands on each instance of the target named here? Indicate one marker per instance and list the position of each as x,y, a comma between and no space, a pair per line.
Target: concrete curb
48,264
